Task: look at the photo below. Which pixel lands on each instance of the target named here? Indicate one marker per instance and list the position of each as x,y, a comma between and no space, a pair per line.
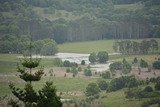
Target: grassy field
90,46
87,47
129,7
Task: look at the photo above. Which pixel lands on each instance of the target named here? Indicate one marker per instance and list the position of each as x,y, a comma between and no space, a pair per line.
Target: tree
126,68
135,60
49,48
143,63
102,84
156,64
92,89
87,72
102,56
106,75
28,95
148,89
83,62
157,85
92,57
48,97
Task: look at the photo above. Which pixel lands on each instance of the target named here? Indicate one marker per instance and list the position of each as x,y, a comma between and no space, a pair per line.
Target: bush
92,57
68,70
73,64
83,62
102,84
66,63
122,82
148,89
106,75
126,68
156,65
87,72
74,71
115,66
143,64
92,89
157,85
102,56
79,69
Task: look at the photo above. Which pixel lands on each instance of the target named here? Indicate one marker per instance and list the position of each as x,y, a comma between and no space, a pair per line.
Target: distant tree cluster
12,44
101,57
123,82
123,66
133,47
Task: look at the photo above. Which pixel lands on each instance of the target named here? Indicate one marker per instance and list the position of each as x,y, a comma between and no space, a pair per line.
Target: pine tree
28,95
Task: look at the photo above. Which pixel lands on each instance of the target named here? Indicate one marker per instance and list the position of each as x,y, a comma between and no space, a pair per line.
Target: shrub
74,71
102,84
126,68
143,63
92,89
148,89
83,62
73,64
68,70
87,72
102,56
92,57
157,85
79,69
122,82
106,75
66,63
156,64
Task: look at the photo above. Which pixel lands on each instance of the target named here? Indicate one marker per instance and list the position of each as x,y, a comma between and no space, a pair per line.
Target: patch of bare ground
143,73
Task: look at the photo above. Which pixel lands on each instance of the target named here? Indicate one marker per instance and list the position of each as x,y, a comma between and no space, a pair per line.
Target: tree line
135,47
20,45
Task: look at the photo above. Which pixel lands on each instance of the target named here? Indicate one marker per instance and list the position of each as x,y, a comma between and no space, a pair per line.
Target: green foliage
102,84
48,97
134,47
83,62
74,71
102,56
122,82
92,89
115,66
156,64
49,48
157,85
135,60
124,66
151,102
148,89
143,63
87,72
92,57
106,75
66,63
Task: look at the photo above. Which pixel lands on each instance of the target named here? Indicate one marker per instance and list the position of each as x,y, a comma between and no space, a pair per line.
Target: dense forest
79,20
